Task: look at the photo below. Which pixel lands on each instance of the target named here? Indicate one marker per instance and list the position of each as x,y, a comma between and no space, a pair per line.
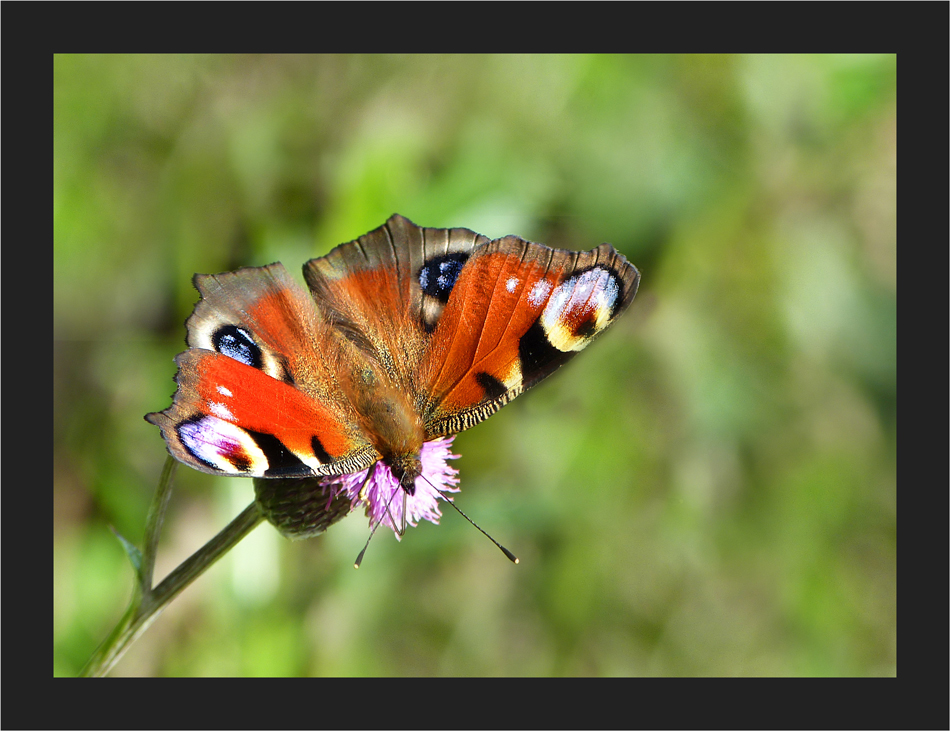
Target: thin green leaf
132,551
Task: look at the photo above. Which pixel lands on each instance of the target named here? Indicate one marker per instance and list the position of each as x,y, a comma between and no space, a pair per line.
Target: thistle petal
382,493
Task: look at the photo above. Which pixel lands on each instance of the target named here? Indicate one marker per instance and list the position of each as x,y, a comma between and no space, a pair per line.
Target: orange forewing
483,322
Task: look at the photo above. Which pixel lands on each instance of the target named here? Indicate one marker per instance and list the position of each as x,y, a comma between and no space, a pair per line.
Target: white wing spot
221,411
224,391
539,293
511,284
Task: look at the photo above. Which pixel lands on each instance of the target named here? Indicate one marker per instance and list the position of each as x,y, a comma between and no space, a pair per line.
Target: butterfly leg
369,476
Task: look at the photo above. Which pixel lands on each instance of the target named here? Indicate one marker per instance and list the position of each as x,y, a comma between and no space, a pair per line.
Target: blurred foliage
708,490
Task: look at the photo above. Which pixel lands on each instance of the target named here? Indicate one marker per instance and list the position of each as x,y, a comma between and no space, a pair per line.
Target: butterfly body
407,334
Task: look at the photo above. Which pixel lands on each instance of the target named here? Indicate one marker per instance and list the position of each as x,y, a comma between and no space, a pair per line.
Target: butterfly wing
374,290
411,333
464,324
258,393
517,312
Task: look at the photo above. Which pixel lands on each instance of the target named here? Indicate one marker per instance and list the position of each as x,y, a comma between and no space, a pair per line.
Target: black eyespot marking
438,275
318,451
280,460
587,328
493,387
535,350
237,343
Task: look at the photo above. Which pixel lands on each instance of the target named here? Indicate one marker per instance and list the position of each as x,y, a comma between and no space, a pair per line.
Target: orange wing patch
495,301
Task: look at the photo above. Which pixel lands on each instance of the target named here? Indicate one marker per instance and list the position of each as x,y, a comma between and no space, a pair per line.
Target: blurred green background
708,490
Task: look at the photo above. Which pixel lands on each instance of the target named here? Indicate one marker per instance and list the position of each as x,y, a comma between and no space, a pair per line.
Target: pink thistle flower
384,498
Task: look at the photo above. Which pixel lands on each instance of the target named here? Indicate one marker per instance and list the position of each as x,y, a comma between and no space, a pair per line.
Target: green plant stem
147,602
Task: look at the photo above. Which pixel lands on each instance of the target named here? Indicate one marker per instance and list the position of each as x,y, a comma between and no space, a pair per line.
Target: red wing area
481,328
229,417
517,312
369,289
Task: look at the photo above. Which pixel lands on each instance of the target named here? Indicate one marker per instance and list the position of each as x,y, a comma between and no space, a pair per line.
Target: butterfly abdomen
388,416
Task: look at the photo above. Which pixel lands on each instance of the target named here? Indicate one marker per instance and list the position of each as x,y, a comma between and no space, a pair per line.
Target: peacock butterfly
408,334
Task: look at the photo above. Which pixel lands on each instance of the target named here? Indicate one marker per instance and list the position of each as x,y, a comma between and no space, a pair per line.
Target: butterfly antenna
359,559
362,496
509,554
401,528
392,520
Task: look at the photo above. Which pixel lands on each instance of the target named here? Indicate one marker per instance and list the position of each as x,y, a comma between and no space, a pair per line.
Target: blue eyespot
237,343
437,276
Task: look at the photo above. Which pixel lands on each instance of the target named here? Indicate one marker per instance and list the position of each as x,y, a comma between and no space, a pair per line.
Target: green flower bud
300,508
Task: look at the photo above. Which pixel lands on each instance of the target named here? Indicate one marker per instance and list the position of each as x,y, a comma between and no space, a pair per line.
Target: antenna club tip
511,557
